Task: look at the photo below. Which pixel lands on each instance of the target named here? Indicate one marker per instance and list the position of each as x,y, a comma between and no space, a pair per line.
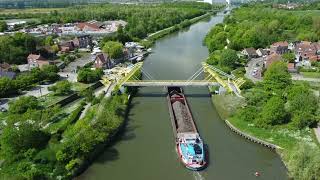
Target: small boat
190,147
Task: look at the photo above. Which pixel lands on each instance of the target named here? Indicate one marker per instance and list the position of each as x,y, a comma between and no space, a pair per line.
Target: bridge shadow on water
165,95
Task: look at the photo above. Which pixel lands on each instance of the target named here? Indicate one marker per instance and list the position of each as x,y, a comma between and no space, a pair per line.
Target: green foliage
273,113
15,49
303,105
87,75
114,49
23,104
277,77
304,162
229,58
87,94
49,41
3,26
94,129
226,59
257,25
7,87
289,57
61,88
18,139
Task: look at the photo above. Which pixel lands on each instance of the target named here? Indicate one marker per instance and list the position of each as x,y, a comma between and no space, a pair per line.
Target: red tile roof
272,58
281,43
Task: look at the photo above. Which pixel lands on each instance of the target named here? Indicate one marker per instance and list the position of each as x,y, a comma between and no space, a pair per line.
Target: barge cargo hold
189,144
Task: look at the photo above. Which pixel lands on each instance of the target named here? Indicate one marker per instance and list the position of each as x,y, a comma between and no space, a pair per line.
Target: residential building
250,53
35,60
271,59
84,41
307,52
279,47
67,46
102,61
88,26
262,52
5,71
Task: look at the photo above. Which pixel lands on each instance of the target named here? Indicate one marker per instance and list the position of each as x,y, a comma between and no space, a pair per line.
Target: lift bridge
212,77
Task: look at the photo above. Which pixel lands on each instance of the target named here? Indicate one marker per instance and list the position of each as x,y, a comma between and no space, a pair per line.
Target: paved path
85,110
72,67
317,132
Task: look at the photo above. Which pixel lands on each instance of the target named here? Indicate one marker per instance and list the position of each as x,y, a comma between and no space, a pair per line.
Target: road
254,64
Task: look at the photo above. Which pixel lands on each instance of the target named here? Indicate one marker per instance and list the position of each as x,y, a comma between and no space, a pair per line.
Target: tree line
259,25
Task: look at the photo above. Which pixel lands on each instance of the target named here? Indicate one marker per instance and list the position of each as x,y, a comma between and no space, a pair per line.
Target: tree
273,112
303,105
3,26
49,41
277,77
228,58
88,94
61,88
87,75
19,138
289,57
114,49
7,87
23,104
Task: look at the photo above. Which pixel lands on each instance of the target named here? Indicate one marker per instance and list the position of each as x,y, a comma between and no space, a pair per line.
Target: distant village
304,55
80,28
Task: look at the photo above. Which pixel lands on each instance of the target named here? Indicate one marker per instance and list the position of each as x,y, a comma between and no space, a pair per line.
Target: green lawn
50,99
311,74
77,86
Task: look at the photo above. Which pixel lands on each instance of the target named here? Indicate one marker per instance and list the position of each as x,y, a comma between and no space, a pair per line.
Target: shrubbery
86,75
27,80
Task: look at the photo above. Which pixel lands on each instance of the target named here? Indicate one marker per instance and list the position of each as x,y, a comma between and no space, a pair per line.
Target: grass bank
285,137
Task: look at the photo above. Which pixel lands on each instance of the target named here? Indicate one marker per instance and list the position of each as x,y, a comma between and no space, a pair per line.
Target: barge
189,145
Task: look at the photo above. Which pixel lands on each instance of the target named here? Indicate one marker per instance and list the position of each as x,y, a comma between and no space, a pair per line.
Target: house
102,61
5,67
84,41
262,52
89,26
35,60
5,71
279,47
250,52
67,46
307,52
292,68
271,59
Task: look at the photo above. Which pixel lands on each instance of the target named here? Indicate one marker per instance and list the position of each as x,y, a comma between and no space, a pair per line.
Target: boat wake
198,176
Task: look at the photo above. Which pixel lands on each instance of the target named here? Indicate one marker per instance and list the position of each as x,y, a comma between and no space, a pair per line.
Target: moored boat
190,147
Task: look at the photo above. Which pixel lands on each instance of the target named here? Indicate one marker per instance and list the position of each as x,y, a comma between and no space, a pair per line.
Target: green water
146,148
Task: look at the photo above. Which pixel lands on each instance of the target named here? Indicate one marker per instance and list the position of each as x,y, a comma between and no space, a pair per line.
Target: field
29,10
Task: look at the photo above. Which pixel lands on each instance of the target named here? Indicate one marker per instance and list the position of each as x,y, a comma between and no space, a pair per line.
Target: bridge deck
169,83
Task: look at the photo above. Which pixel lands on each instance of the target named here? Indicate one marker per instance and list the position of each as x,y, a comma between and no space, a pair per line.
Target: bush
61,88
273,113
23,104
87,75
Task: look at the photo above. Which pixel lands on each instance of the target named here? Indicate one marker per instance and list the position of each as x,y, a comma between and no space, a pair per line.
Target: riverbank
112,138
283,136
150,40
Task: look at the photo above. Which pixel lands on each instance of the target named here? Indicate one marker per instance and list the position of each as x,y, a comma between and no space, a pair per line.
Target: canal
146,149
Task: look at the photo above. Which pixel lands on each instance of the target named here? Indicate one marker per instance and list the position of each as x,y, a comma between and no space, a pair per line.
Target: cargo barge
189,145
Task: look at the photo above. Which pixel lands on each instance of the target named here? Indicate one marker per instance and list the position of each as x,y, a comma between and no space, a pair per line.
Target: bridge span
169,83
